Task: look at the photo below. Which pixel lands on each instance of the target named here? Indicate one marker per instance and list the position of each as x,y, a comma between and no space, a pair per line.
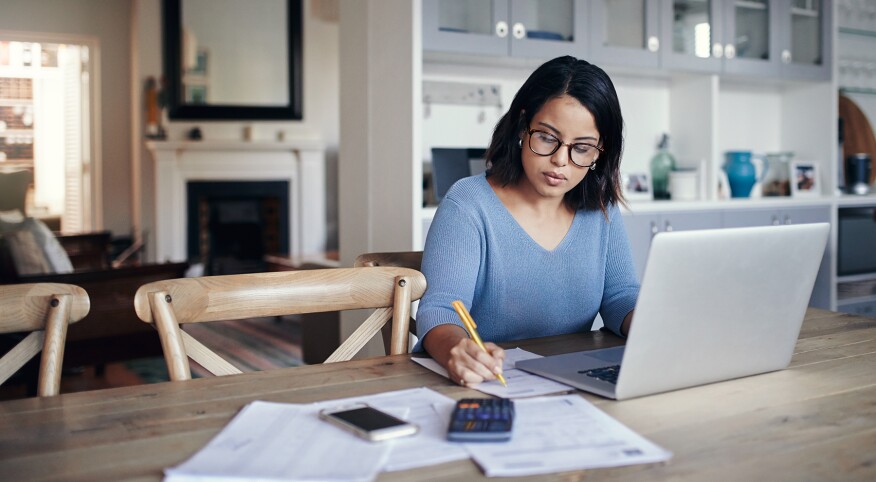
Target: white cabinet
792,215
642,227
519,28
790,39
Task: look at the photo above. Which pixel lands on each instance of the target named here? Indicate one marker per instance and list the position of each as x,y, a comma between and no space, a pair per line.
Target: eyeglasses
544,143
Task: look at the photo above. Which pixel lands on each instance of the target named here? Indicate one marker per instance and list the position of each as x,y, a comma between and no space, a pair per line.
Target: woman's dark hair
591,86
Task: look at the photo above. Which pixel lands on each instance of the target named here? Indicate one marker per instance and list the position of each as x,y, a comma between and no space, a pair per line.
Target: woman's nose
561,157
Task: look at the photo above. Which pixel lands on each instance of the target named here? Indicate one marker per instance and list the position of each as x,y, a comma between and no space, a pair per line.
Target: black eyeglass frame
561,143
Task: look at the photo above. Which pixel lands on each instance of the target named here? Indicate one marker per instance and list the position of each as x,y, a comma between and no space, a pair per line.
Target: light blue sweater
514,288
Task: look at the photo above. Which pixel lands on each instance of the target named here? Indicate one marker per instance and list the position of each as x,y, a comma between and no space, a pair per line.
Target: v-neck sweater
477,252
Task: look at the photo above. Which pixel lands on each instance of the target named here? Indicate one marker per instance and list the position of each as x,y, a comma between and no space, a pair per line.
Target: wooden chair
45,310
400,259
170,303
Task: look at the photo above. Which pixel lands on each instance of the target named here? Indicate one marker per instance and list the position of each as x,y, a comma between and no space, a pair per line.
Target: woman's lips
554,179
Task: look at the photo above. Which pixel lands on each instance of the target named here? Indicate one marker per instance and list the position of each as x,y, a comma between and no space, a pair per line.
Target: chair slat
207,358
361,336
20,354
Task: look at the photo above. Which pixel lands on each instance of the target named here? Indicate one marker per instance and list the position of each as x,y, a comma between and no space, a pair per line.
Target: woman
536,246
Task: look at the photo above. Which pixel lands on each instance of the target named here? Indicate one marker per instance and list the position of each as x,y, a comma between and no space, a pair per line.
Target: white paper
275,441
520,383
431,412
563,433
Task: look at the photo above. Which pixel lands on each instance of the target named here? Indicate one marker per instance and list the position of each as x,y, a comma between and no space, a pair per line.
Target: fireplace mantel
301,162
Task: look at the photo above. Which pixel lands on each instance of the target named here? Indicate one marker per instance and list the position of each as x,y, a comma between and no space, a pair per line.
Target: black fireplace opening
232,225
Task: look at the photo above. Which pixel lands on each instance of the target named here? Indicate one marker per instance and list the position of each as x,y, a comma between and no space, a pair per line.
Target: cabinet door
807,39
751,39
818,214
741,218
692,35
642,227
794,215
466,26
545,29
625,32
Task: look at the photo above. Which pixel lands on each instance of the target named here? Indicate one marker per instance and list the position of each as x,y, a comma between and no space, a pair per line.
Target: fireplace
232,225
298,164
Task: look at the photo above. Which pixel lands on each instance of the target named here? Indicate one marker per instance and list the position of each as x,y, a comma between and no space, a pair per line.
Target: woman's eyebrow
558,133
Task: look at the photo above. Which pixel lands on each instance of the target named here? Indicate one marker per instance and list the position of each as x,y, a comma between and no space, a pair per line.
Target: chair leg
100,369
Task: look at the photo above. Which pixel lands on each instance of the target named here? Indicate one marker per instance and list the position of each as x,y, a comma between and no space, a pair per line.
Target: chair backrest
400,259
45,310
169,303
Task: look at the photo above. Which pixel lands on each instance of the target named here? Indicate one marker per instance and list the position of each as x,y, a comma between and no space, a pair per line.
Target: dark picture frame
179,109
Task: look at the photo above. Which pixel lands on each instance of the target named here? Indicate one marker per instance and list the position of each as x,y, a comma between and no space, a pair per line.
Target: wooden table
815,420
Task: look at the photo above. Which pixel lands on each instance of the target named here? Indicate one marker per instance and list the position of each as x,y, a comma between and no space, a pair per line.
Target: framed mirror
233,59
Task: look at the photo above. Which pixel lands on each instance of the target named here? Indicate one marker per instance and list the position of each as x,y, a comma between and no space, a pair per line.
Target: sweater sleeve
621,285
451,263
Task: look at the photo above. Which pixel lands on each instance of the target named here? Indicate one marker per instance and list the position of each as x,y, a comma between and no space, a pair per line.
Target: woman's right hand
465,361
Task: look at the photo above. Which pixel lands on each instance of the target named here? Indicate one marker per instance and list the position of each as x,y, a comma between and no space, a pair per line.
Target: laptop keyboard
606,374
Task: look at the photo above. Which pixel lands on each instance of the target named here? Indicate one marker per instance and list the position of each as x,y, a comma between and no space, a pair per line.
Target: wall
109,23
321,103
129,30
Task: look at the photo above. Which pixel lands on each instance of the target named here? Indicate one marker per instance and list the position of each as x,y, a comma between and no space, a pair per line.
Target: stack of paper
280,441
275,441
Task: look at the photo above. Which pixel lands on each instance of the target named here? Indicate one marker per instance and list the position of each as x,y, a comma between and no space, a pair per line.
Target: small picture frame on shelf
637,186
805,180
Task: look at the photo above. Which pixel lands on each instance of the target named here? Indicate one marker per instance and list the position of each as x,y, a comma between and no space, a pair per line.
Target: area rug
253,344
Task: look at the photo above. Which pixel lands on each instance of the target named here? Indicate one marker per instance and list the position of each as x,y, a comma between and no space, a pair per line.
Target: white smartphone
368,422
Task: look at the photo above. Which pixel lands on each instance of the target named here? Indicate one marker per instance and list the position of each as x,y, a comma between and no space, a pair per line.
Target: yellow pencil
471,327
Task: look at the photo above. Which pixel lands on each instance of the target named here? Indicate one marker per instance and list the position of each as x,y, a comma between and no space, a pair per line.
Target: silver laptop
714,305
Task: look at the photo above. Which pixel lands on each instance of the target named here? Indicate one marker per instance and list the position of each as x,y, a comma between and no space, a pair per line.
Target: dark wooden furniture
814,420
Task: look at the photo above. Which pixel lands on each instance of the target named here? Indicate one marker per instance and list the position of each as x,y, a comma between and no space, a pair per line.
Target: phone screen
368,418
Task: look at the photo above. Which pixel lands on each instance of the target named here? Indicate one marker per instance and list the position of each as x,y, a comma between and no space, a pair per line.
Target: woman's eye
546,138
582,148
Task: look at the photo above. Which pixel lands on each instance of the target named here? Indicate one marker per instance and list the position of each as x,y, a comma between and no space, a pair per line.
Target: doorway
46,125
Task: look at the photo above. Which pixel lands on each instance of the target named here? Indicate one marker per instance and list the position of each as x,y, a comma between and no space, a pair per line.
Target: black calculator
481,420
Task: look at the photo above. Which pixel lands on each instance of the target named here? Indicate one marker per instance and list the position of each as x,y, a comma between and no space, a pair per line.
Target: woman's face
554,175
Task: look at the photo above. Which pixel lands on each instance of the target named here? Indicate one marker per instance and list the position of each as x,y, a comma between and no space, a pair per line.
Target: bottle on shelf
661,165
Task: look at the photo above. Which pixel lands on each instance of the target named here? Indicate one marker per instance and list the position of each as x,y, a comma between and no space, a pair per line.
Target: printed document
520,383
281,441
563,433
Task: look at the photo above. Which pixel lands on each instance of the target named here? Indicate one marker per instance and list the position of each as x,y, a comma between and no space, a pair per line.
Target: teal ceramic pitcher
741,173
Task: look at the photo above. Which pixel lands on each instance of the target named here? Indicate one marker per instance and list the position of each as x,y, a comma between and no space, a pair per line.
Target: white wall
321,101
108,22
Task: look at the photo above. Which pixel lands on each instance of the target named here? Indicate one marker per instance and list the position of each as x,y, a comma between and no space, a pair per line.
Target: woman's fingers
469,364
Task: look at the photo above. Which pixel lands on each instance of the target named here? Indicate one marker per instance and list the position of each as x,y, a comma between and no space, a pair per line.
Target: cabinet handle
775,220
786,56
667,226
718,50
653,43
654,229
788,219
501,29
519,31
730,51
